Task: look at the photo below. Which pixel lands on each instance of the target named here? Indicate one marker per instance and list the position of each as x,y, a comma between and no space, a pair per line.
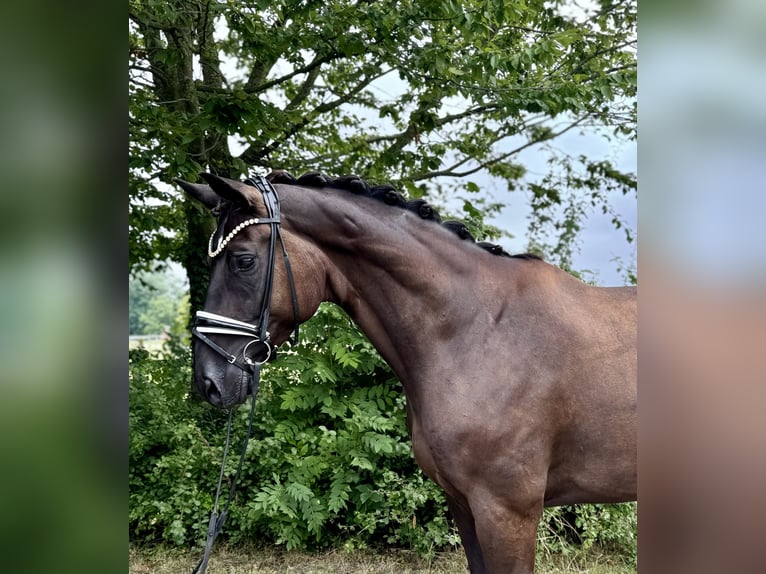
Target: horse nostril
212,392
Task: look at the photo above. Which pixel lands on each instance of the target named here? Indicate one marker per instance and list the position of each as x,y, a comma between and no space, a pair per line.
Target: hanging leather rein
206,323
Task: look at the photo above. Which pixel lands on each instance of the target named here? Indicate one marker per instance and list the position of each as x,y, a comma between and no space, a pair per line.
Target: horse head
254,300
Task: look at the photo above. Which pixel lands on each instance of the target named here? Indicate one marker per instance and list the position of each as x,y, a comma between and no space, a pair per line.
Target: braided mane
388,195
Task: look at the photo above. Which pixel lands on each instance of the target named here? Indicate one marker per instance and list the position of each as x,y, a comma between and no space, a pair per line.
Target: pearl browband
224,242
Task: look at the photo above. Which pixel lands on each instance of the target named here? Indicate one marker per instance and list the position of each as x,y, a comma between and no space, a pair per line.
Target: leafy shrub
330,462
573,529
170,478
330,458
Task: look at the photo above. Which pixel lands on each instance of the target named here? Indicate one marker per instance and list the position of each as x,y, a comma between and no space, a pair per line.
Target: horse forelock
387,194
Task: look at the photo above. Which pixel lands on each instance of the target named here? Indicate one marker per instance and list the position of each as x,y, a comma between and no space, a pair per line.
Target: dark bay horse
520,379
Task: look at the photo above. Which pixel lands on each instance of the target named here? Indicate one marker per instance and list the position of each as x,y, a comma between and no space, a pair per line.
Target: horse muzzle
224,387
226,380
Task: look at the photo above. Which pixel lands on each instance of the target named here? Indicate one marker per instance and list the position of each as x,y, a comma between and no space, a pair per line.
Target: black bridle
206,323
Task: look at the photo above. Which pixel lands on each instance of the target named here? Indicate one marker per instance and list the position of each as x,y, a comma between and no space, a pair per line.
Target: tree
427,94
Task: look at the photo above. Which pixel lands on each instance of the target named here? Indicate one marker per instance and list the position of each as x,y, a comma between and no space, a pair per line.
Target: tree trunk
198,224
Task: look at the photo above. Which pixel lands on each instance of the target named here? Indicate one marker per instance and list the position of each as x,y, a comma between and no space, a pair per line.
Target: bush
330,462
577,529
171,465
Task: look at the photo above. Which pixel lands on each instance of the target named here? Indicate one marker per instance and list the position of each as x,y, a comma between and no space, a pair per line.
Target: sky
599,242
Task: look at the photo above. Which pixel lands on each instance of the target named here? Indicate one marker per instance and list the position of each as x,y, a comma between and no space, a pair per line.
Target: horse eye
245,262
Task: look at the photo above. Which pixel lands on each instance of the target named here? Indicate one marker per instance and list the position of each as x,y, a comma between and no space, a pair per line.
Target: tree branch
304,90
315,63
440,122
598,53
208,50
254,155
449,172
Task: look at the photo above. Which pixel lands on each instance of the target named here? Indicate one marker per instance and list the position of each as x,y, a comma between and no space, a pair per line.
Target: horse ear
227,188
200,192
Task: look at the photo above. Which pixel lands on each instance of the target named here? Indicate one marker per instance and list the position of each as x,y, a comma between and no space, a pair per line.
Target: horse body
520,379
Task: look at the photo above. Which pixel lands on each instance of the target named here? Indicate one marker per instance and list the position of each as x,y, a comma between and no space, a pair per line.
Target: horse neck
401,279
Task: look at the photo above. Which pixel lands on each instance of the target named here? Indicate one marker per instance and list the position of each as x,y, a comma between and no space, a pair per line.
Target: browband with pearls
224,242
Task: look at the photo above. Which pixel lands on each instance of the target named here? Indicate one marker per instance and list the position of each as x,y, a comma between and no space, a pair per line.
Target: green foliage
170,462
574,529
330,462
563,199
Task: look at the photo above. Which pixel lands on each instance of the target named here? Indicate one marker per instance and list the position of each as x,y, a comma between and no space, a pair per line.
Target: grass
228,560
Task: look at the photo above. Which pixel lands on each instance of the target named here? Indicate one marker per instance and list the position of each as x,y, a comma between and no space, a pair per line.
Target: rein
206,323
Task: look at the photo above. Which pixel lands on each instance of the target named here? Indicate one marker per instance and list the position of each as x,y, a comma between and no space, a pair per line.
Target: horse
520,379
